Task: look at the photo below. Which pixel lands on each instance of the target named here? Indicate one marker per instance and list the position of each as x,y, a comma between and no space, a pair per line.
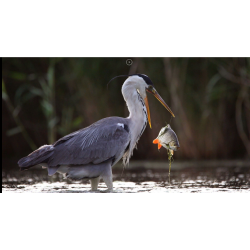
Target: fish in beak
168,139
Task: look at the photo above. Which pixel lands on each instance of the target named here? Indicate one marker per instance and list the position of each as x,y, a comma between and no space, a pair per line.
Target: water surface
139,177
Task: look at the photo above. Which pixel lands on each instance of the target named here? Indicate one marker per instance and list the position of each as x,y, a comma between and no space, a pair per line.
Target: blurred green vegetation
46,98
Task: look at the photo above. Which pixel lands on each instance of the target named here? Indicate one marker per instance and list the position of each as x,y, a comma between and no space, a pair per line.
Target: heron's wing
103,140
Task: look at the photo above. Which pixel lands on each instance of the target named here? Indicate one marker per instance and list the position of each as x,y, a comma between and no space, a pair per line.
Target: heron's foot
94,191
109,190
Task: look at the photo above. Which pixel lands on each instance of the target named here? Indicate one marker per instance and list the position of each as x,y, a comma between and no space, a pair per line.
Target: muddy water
137,178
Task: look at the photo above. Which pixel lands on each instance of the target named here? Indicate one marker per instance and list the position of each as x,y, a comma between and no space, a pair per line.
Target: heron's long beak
147,106
158,97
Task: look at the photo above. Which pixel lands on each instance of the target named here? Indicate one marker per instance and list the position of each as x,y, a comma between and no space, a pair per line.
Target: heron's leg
107,177
94,183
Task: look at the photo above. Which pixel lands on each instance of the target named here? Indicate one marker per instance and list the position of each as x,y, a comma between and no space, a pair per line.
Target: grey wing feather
97,143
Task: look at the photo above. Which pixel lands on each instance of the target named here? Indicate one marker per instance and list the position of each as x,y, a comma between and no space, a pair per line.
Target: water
143,177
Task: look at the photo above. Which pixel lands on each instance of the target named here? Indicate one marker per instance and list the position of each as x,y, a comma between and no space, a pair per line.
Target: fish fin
159,145
155,141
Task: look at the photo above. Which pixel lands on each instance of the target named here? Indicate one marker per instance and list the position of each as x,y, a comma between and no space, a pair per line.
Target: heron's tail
38,156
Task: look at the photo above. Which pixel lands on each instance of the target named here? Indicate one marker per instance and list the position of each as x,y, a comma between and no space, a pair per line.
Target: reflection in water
136,179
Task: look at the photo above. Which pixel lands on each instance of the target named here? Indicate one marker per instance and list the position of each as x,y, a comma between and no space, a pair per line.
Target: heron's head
143,83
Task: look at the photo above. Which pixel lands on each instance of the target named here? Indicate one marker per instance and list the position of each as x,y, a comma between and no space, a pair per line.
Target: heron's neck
137,117
137,112
135,104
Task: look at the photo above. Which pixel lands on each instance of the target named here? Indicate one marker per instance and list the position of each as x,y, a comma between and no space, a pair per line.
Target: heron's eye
150,87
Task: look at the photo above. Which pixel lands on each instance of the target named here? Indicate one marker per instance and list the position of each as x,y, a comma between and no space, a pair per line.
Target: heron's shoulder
113,120
111,124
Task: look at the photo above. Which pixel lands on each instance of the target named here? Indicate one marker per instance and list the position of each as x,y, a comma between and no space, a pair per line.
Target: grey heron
91,152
